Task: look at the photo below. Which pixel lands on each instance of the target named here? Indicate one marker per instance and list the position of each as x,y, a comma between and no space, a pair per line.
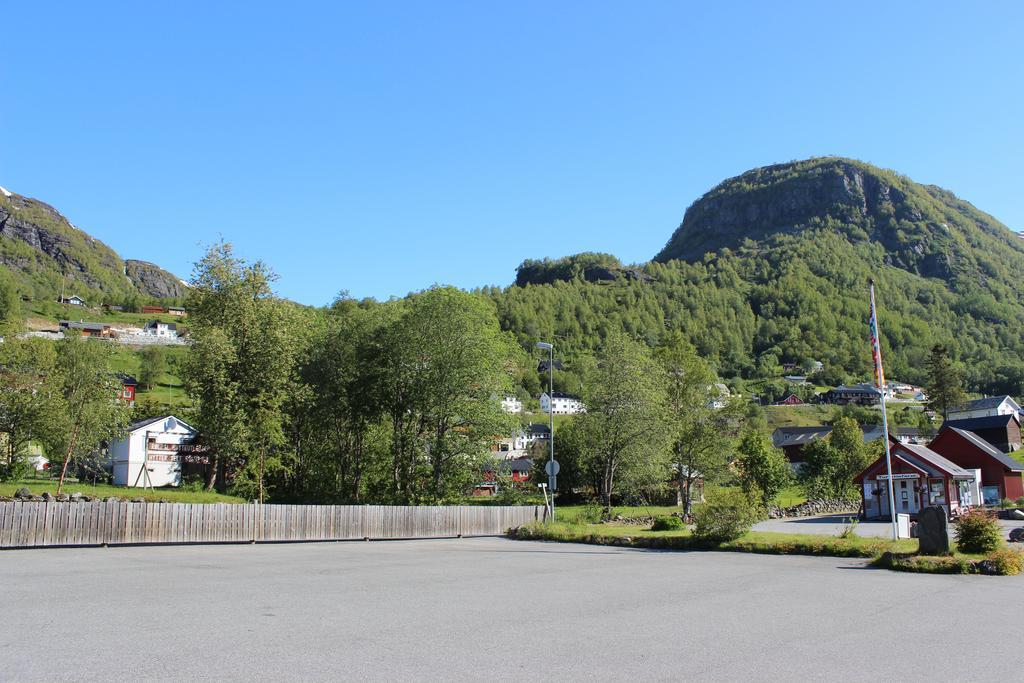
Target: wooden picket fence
40,524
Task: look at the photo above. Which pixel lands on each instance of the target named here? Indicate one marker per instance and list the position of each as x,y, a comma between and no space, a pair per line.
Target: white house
154,452
155,328
511,404
985,407
561,404
720,395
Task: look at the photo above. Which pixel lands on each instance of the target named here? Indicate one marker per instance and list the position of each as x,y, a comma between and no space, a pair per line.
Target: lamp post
551,419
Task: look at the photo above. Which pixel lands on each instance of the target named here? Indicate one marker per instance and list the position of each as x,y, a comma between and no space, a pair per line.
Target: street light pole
551,418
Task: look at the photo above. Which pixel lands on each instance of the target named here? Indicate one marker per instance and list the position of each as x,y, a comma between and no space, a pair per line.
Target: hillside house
921,478
174,310
561,403
864,394
85,329
791,400
511,404
73,300
160,451
1002,431
517,470
1001,475
985,407
128,386
538,431
793,439
720,396
156,328
150,310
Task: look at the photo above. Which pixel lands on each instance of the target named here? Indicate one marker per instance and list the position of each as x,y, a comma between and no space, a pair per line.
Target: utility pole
552,465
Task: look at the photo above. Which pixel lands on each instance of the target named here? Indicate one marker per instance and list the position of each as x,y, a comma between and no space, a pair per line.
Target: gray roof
861,388
973,424
926,456
991,450
97,327
799,436
983,403
139,424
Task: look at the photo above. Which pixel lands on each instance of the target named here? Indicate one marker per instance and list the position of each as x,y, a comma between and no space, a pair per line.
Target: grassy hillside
775,266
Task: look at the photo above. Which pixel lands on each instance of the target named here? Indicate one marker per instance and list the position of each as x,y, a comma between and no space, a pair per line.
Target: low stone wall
24,495
815,507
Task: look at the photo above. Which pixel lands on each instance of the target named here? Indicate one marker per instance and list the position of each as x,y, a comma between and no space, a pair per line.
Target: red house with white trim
1001,476
921,478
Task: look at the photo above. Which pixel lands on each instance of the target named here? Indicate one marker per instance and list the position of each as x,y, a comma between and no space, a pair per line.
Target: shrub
727,515
1006,503
1020,502
1006,562
671,523
978,532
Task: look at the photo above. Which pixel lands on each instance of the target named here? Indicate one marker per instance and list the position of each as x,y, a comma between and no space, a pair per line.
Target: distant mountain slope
772,266
45,251
923,229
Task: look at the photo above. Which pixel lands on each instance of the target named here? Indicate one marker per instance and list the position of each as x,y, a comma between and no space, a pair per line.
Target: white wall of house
161,439
561,405
511,404
1007,407
160,330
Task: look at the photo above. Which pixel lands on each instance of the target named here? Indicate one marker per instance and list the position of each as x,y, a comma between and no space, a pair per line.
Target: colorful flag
876,350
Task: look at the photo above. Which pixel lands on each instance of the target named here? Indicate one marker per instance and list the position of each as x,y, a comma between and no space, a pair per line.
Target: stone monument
933,531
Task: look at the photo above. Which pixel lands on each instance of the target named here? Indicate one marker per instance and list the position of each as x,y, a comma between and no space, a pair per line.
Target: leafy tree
10,304
831,464
701,424
764,470
154,365
945,386
241,367
28,402
624,427
86,412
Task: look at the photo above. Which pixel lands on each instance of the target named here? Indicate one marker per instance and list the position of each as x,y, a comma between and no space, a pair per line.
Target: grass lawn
797,416
38,486
896,555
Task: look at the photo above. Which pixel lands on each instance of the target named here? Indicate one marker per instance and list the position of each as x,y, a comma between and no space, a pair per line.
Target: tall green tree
830,464
241,367
444,361
624,426
702,423
764,470
86,411
28,398
154,365
945,384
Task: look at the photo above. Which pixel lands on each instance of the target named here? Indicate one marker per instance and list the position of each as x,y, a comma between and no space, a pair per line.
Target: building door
906,498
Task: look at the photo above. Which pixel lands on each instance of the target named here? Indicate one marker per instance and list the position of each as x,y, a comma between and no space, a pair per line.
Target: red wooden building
921,478
791,400
518,471
1001,476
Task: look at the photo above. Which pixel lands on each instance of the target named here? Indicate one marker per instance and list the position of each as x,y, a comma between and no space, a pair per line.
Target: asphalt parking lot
492,609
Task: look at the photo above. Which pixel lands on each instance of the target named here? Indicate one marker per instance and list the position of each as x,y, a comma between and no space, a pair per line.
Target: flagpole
876,354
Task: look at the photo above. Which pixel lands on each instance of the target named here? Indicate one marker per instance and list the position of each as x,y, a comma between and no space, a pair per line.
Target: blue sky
382,147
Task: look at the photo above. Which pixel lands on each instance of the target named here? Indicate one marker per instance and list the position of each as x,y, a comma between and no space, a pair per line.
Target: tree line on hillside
792,298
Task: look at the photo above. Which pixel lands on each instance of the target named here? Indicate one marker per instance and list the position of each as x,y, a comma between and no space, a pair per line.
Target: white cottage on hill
156,452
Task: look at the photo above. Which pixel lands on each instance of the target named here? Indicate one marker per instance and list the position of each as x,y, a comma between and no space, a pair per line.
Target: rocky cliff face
152,280
46,252
925,230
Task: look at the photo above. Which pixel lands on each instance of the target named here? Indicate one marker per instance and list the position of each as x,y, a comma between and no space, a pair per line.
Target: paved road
492,609
832,525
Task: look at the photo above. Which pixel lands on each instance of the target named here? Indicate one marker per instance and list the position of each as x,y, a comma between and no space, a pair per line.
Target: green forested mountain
44,251
773,266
